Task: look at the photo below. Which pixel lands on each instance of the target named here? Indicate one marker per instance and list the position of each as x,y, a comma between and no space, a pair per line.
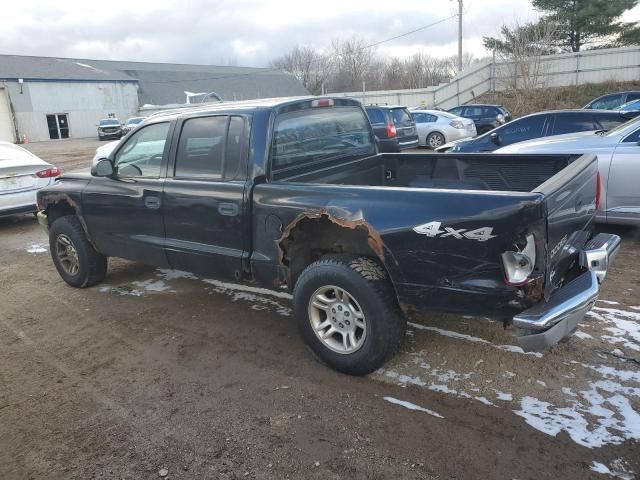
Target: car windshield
135,120
110,121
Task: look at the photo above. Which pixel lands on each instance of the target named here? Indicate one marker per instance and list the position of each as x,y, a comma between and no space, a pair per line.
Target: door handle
228,209
152,202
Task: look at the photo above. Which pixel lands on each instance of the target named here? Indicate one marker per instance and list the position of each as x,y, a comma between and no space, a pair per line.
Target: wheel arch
62,205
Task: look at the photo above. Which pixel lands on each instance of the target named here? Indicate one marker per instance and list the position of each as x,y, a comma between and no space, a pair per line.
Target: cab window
142,154
522,129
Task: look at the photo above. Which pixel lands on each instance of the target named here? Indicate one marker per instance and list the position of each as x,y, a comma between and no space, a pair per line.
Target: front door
124,213
204,199
58,126
623,191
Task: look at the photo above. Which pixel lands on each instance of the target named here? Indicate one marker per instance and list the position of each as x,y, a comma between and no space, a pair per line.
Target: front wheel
77,262
347,313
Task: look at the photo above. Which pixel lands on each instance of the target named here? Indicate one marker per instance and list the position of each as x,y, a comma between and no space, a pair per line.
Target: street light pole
459,36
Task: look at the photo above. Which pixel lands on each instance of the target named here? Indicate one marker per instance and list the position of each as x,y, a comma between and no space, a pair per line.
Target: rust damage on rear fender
328,230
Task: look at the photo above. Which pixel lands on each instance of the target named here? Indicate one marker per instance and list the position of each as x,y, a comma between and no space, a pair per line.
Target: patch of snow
608,302
470,338
582,335
152,285
36,248
169,274
412,406
622,325
540,382
504,396
600,468
508,374
247,288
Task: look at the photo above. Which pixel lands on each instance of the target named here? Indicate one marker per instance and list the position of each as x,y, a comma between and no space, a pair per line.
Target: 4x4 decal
432,229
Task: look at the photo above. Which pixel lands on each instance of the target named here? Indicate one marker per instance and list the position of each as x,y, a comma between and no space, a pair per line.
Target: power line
271,70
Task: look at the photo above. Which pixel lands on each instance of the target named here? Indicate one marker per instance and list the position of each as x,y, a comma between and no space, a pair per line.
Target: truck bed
516,173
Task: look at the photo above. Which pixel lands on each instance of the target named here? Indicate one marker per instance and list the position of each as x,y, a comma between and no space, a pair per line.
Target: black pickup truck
292,192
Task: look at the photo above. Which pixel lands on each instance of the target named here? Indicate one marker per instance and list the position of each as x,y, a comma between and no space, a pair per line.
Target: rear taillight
49,173
391,130
519,265
457,124
598,191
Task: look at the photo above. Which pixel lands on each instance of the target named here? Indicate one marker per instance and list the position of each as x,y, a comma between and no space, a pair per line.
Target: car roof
481,105
385,106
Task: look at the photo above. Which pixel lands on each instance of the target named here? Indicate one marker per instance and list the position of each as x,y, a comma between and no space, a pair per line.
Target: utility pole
459,36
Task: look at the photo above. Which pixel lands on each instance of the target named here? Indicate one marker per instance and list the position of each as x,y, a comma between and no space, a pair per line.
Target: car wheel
77,262
435,140
347,313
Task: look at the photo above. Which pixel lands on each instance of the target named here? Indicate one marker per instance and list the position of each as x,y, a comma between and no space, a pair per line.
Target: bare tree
353,59
521,52
309,66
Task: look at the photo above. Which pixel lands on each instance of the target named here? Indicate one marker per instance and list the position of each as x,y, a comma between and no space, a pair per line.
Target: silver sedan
435,128
618,154
22,174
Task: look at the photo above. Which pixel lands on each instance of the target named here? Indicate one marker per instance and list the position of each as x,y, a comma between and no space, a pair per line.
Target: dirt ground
158,372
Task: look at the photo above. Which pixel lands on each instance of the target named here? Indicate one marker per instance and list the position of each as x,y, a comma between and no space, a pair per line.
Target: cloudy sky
245,32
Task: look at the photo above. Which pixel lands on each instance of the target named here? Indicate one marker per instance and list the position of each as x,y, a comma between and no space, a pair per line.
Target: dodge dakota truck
292,193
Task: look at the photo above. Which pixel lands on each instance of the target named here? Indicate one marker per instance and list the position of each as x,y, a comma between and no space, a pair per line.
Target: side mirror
495,138
103,168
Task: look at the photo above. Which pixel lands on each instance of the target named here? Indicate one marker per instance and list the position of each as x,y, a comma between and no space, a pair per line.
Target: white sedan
435,127
22,174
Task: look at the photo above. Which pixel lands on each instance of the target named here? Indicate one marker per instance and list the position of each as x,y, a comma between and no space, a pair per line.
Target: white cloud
249,32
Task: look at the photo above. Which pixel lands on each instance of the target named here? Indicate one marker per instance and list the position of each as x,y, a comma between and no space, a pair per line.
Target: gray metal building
47,98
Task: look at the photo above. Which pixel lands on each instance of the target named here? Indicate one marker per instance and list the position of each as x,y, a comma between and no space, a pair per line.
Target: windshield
135,120
110,121
307,135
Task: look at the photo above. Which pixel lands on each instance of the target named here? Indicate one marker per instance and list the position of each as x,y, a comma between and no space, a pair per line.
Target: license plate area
22,182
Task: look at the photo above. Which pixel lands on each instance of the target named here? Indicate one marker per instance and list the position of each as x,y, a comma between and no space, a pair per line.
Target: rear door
204,197
623,187
570,204
378,121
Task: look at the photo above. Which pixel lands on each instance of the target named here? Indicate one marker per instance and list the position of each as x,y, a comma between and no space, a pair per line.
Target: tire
377,323
435,140
69,247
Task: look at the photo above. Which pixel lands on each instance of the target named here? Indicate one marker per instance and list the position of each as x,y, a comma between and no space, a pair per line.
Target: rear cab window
573,122
310,135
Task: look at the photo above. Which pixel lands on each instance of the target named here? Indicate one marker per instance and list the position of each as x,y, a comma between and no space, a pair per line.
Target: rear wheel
435,140
77,262
347,314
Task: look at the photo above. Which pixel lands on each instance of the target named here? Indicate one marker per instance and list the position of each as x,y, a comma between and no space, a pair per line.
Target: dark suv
542,124
613,100
394,126
486,117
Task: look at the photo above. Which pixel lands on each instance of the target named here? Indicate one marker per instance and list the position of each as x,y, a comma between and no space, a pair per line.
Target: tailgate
570,200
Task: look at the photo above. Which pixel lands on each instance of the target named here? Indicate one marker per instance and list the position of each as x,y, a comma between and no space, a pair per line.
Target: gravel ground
158,369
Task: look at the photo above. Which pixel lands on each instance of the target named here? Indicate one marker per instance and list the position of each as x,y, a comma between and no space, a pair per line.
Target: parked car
109,128
291,193
612,100
539,125
394,126
619,164
22,174
130,124
435,128
632,106
486,117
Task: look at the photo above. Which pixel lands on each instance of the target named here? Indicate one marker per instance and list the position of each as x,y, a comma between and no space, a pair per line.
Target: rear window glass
312,134
375,115
401,116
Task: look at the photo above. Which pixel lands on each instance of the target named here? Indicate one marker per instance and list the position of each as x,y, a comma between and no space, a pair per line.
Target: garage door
6,122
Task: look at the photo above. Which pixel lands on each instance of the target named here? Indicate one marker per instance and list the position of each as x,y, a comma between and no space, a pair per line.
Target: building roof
159,83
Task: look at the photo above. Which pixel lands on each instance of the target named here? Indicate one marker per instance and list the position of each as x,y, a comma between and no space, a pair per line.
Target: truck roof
244,106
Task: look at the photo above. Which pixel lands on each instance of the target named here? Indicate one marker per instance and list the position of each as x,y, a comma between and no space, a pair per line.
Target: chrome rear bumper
548,322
